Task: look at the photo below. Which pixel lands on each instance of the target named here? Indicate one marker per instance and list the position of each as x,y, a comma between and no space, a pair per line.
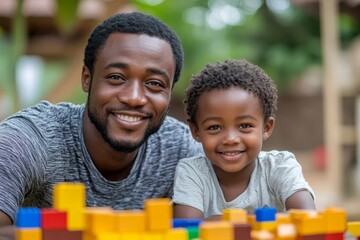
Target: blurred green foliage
284,44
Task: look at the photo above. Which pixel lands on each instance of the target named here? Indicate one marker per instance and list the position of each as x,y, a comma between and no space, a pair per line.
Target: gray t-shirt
276,176
44,144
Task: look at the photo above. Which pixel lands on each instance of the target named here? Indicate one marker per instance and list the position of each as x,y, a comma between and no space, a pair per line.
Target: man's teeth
128,118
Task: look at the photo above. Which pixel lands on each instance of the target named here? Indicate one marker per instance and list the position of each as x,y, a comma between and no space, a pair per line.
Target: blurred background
310,48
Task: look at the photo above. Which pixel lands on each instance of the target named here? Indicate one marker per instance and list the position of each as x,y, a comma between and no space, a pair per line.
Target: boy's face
231,128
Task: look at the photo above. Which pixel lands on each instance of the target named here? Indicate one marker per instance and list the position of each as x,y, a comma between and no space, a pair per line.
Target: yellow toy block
283,218
152,236
105,236
251,219
158,214
99,220
69,196
269,226
130,221
131,235
28,233
285,231
216,230
262,235
235,215
354,228
335,220
176,234
75,220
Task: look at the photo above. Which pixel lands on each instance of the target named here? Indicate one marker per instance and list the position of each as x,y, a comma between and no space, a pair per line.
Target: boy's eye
245,125
213,128
116,77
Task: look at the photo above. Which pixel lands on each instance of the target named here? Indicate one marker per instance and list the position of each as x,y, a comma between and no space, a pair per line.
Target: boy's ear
194,130
85,79
268,128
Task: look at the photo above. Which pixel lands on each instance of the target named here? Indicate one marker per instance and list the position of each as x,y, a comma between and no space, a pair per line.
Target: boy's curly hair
232,73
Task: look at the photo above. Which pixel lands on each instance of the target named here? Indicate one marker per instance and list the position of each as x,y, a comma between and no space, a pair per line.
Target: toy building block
68,196
265,214
52,219
130,221
99,220
28,218
176,234
262,235
61,235
193,232
335,220
186,222
216,230
235,215
283,218
28,234
354,228
158,214
149,235
242,231
308,222
334,236
265,219
285,231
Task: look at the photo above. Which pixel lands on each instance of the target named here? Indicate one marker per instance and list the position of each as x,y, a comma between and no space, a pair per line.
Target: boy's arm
183,211
4,219
300,200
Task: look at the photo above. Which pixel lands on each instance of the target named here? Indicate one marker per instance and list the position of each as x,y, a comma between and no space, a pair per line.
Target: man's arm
7,230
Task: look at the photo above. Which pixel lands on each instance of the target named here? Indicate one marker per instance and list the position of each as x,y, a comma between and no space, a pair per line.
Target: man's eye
116,77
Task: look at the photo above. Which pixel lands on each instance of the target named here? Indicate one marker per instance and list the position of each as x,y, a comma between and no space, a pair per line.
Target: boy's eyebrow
237,118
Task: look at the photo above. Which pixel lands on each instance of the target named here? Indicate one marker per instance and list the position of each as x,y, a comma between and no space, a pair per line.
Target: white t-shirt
277,175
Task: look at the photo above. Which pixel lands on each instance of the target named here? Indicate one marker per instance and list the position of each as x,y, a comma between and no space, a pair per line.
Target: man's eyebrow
117,65
159,72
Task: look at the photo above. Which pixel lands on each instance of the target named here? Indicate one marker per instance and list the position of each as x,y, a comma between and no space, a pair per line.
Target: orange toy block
216,230
283,218
28,233
262,235
158,213
308,222
99,220
235,215
335,220
130,221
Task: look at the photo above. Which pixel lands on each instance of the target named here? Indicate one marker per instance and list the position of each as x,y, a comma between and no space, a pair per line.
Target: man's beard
101,125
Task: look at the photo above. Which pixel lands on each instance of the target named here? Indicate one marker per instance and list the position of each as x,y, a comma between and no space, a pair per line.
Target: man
120,144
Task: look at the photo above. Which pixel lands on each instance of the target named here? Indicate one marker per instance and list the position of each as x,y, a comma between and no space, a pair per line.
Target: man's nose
134,94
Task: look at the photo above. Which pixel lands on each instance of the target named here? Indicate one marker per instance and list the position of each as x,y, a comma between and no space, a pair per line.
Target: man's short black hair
228,74
136,23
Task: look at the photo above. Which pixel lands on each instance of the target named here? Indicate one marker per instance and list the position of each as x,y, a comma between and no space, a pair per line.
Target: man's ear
268,128
194,130
85,79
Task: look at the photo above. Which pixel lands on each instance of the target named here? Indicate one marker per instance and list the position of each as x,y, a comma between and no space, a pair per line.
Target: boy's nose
232,137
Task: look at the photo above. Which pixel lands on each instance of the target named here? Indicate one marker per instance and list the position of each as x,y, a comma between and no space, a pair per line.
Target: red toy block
334,236
61,235
311,237
242,231
52,219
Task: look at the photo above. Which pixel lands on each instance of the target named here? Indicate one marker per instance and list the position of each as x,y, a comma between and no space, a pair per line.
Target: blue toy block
28,218
186,222
265,214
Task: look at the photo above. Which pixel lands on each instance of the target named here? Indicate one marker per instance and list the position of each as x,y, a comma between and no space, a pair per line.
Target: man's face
130,89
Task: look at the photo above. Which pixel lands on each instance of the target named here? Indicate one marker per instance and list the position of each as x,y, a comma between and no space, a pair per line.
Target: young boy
231,108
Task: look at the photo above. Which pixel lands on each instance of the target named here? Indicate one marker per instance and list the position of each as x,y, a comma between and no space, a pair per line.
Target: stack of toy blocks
69,219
